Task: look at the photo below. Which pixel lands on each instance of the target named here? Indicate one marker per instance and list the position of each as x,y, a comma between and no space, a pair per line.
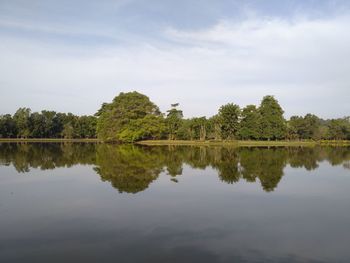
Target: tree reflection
265,164
131,169
128,168
227,164
46,156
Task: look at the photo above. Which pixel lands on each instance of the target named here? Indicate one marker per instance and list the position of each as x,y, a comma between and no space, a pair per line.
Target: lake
125,203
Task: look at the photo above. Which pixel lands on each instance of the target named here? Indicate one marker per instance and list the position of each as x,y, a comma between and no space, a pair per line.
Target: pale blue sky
71,56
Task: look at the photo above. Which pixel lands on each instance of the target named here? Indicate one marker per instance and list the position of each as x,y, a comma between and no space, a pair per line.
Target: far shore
42,140
239,143
236,143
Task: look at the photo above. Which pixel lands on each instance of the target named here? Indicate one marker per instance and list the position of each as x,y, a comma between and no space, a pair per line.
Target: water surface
109,203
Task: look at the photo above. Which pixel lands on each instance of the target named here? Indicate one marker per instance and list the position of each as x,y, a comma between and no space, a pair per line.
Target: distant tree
132,116
198,128
149,127
272,122
104,107
22,120
339,129
68,131
8,127
37,125
202,126
85,127
250,123
214,124
50,126
174,121
186,130
229,115
311,124
125,108
294,127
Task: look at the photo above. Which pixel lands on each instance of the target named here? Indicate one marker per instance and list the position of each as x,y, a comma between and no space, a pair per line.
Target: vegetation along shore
132,117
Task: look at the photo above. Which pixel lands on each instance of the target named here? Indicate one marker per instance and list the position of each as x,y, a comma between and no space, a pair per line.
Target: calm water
108,203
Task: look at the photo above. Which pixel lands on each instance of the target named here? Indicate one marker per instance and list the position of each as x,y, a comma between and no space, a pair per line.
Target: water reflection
132,169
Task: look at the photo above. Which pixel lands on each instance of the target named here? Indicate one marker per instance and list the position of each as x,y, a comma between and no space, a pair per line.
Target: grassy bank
39,140
245,143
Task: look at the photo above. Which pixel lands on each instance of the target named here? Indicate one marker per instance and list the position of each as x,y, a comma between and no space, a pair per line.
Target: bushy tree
196,128
174,121
8,127
149,127
214,127
22,120
272,122
339,129
250,123
229,115
125,108
85,127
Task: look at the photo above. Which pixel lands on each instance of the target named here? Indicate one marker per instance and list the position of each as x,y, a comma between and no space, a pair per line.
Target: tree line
132,117
46,124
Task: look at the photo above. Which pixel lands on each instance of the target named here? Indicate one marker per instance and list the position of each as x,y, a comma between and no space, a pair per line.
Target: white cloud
303,62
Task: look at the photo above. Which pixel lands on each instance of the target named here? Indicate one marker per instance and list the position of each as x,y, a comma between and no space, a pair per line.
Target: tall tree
198,128
214,124
22,120
250,123
294,126
174,121
229,115
272,122
85,127
8,127
126,107
339,129
148,128
37,125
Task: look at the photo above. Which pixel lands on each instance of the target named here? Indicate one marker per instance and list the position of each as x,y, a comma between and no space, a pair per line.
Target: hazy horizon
73,56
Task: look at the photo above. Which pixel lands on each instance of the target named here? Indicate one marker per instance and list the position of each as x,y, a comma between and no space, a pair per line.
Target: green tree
50,123
150,127
7,126
201,124
196,128
311,126
125,108
186,130
307,127
174,121
272,122
85,127
294,127
37,125
22,120
214,124
339,129
229,115
250,123
68,131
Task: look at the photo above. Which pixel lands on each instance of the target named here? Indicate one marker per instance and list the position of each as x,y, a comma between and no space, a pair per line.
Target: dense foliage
46,124
129,117
132,117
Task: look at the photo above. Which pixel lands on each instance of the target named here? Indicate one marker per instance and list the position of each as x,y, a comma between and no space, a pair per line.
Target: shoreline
237,143
244,143
48,140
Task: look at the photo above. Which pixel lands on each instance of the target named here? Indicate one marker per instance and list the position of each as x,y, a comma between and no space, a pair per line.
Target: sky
71,56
